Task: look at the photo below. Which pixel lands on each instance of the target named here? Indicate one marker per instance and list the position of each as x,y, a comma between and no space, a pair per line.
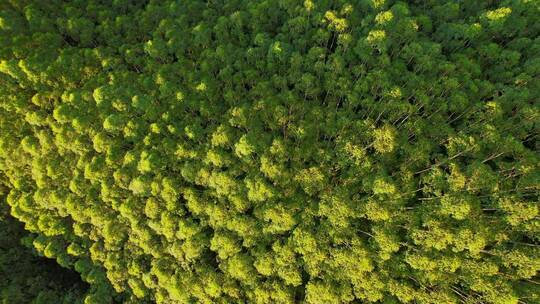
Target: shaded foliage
26,278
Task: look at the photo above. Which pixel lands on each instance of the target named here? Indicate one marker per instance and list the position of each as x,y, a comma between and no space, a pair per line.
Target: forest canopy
277,151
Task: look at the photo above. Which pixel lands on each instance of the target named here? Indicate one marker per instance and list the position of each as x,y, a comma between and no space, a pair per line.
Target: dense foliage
277,151
27,279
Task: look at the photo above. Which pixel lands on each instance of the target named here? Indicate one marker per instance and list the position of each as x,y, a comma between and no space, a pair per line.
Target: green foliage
277,151
27,278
